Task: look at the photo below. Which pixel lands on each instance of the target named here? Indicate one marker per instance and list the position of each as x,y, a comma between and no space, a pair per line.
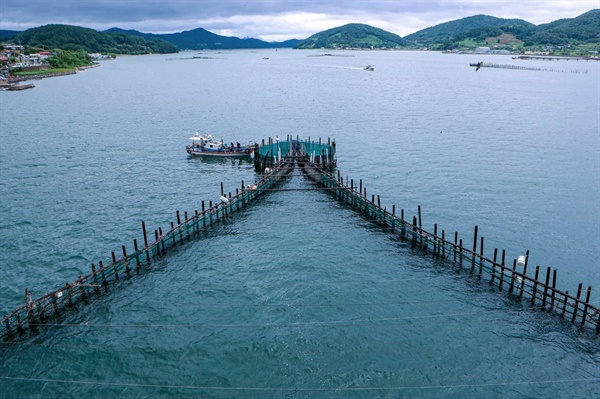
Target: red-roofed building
43,55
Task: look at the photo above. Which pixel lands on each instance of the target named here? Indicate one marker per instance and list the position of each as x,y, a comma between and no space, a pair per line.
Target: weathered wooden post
435,249
126,262
185,214
158,242
137,256
512,277
162,247
414,230
502,267
114,265
95,281
145,242
101,266
576,306
474,249
553,290
546,287
480,256
174,233
585,307
535,283
454,247
443,244
564,309
494,266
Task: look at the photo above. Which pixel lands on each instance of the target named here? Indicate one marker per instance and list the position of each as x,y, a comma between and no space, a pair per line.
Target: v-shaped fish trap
276,159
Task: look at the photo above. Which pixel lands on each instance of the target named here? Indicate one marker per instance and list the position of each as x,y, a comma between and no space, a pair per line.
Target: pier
275,160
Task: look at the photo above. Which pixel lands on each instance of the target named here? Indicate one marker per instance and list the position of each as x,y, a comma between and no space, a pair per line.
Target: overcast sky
274,20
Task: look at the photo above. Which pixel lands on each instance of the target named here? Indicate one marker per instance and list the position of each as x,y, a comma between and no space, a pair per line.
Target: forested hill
584,28
68,37
200,39
479,29
448,30
353,36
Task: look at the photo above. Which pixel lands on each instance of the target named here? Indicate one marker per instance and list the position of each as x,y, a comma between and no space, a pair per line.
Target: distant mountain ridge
200,39
466,32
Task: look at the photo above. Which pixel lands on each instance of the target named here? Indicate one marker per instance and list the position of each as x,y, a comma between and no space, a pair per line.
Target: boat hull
195,151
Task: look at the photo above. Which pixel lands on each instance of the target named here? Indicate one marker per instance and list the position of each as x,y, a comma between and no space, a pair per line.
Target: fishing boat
206,145
369,68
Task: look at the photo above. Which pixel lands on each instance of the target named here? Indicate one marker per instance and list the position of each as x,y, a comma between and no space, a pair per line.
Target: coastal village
13,58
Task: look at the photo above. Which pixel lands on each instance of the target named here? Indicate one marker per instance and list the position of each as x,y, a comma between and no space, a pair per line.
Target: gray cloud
273,19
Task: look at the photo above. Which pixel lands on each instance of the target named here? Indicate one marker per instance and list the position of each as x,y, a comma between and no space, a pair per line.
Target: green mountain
487,30
449,30
68,37
353,36
584,29
200,39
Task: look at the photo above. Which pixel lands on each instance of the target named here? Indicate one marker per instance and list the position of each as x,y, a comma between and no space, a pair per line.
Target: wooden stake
585,308
576,306
546,287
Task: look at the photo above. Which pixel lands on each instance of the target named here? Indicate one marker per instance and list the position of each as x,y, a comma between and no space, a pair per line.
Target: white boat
206,145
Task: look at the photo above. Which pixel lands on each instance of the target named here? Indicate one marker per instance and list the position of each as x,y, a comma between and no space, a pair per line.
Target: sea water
298,296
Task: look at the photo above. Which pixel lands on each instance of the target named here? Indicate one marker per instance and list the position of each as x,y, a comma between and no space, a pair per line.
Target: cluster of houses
13,57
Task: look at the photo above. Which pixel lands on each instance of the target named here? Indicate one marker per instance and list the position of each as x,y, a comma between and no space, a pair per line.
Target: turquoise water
298,296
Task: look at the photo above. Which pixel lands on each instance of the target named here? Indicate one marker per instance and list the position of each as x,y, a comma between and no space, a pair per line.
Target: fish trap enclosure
276,160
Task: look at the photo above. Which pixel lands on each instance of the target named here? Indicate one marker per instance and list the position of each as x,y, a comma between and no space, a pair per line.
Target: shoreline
13,81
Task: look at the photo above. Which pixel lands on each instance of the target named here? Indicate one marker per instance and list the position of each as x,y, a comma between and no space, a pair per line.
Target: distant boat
369,68
206,145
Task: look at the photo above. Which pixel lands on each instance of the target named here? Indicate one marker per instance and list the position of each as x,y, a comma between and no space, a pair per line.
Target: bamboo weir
275,160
